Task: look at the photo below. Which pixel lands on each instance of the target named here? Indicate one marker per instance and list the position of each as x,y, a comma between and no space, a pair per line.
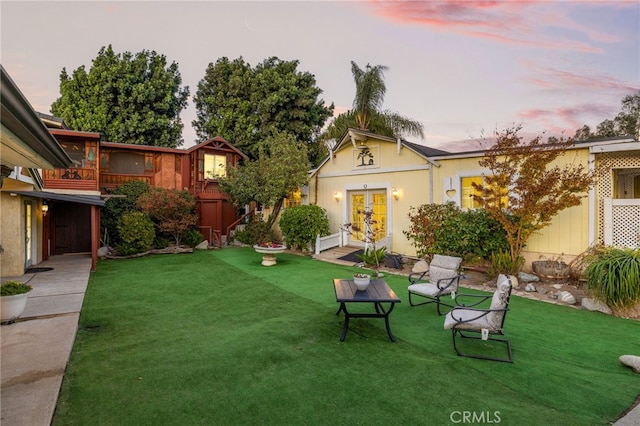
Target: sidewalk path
36,348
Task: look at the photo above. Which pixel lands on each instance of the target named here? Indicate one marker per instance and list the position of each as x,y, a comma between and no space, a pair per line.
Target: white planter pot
11,307
362,283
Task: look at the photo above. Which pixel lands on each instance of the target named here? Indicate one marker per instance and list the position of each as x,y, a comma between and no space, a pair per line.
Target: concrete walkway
36,348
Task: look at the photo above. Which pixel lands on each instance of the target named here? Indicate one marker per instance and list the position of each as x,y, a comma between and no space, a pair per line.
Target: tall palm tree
367,112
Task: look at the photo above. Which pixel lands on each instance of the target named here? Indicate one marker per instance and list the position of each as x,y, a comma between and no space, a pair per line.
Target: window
126,163
215,166
468,200
75,150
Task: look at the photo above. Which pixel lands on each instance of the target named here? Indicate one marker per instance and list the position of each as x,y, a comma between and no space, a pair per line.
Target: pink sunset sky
462,68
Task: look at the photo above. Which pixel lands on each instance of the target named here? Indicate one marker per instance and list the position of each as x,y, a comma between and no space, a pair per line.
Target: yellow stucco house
391,175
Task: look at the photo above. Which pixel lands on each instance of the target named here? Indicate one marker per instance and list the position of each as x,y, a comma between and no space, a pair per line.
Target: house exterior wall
11,232
566,236
405,171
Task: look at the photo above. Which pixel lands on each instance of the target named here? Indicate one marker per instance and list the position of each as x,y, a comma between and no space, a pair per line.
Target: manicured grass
215,338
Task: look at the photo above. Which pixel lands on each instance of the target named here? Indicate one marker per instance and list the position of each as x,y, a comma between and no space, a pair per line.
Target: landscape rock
103,252
203,245
541,290
528,278
557,286
530,288
632,361
566,297
595,305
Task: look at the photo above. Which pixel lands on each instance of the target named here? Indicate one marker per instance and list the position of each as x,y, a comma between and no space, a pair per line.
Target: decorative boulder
528,278
595,305
566,297
530,288
632,361
203,245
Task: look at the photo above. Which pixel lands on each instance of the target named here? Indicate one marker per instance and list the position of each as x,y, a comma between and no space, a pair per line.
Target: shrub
501,263
446,229
371,257
116,207
172,210
160,242
13,288
257,231
425,221
192,238
472,233
136,232
614,277
301,225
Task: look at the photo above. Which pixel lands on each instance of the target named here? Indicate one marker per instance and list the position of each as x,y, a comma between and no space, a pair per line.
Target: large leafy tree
626,123
524,190
281,168
245,105
367,112
127,98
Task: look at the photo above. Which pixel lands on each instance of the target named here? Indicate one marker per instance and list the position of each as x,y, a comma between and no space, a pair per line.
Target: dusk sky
462,68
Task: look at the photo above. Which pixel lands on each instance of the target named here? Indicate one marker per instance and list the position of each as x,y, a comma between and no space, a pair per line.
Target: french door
374,201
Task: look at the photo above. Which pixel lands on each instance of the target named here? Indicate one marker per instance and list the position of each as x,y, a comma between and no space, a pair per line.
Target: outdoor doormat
390,260
34,270
351,257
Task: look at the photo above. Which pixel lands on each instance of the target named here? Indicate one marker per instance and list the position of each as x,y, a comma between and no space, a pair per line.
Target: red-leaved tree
172,210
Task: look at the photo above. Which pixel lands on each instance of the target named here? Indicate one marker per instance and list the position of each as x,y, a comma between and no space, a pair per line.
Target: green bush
13,288
256,231
192,238
425,221
116,207
501,263
160,242
471,233
614,277
371,257
301,225
446,229
137,233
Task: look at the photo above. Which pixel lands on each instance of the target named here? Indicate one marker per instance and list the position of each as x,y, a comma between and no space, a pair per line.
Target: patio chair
472,322
444,278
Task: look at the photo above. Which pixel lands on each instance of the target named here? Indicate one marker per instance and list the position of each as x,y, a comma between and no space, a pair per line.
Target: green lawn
215,338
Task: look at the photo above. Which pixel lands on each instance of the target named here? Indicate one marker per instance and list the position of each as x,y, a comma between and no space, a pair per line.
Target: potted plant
361,280
13,300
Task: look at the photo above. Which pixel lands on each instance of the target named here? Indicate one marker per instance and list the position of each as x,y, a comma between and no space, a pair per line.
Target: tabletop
377,292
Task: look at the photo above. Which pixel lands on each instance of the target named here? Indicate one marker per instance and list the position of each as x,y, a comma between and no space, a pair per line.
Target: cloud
542,24
550,78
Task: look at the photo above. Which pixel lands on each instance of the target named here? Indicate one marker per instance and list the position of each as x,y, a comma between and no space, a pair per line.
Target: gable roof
218,142
352,136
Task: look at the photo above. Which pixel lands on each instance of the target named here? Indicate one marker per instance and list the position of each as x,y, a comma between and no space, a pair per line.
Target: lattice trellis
626,226
626,219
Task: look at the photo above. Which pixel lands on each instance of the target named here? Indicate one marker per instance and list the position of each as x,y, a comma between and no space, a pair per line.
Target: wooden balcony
115,180
71,178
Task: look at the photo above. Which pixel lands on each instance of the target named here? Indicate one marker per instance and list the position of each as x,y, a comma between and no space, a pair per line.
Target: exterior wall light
338,196
45,209
395,193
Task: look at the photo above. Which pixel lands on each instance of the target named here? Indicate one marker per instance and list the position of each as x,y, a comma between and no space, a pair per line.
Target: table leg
386,322
346,327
